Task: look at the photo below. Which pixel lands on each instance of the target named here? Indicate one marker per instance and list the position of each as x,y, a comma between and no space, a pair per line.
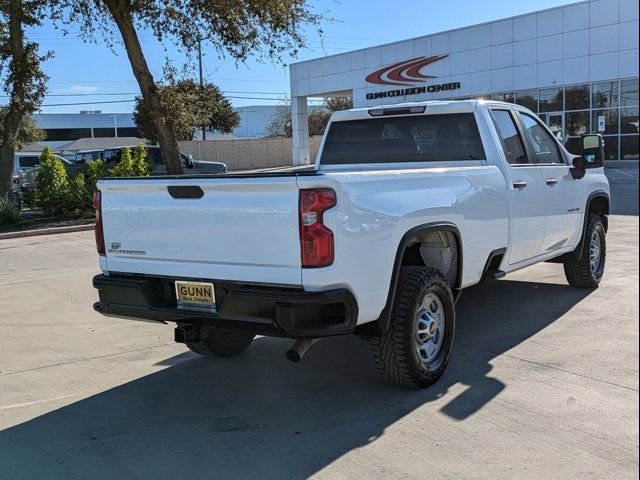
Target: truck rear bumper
263,310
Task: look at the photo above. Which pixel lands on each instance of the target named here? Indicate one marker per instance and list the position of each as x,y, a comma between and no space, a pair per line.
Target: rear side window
511,140
28,162
420,138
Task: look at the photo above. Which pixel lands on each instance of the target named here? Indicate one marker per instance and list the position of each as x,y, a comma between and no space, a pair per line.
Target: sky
89,74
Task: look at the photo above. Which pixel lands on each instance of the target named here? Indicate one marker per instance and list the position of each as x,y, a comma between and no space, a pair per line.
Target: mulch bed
35,219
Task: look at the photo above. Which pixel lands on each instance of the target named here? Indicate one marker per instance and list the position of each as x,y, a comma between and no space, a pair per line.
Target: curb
46,231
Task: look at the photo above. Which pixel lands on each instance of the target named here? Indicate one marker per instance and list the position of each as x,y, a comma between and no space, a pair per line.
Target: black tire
579,272
222,343
397,353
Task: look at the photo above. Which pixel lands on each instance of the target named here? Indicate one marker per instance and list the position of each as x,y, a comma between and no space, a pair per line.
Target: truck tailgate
241,229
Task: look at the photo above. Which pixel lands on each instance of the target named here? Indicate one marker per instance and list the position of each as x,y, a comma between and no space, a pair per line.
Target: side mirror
592,155
592,151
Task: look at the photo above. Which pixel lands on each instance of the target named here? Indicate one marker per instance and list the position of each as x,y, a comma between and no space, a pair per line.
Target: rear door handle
520,185
552,182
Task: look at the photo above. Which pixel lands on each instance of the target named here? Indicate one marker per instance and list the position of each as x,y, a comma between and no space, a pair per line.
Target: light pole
204,128
91,113
115,125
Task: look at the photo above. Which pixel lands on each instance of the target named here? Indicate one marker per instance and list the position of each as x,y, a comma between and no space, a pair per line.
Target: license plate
196,295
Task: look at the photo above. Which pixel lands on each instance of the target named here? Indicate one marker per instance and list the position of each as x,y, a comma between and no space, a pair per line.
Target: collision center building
576,66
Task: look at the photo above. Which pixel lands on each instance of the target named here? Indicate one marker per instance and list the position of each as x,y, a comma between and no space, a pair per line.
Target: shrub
79,196
142,167
124,168
9,210
133,164
95,171
52,184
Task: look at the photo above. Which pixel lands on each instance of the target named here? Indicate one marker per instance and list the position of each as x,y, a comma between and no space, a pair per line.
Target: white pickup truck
405,207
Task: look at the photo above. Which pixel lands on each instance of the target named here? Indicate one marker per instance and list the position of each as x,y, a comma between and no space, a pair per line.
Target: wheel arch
379,326
600,203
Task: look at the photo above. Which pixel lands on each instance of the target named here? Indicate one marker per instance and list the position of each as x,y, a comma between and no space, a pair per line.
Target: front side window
419,138
545,148
511,141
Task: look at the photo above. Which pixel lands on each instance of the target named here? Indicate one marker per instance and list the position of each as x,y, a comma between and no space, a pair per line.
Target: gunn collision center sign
406,74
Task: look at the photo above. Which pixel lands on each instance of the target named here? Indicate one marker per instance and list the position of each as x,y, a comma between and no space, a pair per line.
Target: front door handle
552,182
520,185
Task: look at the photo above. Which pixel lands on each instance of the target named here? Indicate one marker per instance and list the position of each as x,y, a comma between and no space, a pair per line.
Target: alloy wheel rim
430,328
595,252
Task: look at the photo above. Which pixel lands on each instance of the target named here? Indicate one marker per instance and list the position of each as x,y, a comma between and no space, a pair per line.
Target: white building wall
578,43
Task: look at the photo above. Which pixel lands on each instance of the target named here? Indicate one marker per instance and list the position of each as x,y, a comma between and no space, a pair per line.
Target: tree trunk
121,14
15,111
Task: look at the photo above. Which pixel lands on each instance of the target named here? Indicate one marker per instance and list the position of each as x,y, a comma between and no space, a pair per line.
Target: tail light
97,204
316,240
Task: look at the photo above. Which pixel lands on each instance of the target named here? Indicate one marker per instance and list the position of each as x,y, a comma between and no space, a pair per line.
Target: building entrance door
555,122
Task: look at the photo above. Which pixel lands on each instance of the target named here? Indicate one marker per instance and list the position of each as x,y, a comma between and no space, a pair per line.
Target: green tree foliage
23,80
52,184
190,107
281,125
28,131
237,28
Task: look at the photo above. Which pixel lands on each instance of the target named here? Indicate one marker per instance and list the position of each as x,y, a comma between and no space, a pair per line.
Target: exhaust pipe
299,348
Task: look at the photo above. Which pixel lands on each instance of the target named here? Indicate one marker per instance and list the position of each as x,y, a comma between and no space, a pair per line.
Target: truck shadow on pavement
259,416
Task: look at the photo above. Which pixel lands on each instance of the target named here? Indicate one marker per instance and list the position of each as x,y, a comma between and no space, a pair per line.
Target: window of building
629,147
61,134
604,94
504,97
544,146
103,132
574,145
610,121
629,121
511,141
128,132
577,123
629,92
611,148
551,99
528,99
576,97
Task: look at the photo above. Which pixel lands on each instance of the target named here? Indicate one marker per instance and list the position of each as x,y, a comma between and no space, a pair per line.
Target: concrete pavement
543,383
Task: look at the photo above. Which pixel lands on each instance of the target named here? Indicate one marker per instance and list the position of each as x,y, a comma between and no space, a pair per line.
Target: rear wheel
222,343
587,271
416,349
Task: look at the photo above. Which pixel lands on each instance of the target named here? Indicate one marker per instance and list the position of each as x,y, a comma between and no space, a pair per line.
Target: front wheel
587,271
415,350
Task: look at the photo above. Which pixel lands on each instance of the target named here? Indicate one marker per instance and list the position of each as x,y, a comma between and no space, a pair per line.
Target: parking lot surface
543,383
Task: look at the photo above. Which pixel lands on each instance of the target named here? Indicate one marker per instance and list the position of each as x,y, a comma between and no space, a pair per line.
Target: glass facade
71,134
610,108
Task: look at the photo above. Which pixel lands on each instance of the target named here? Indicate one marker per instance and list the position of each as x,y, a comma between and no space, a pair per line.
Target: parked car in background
26,165
192,167
85,156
